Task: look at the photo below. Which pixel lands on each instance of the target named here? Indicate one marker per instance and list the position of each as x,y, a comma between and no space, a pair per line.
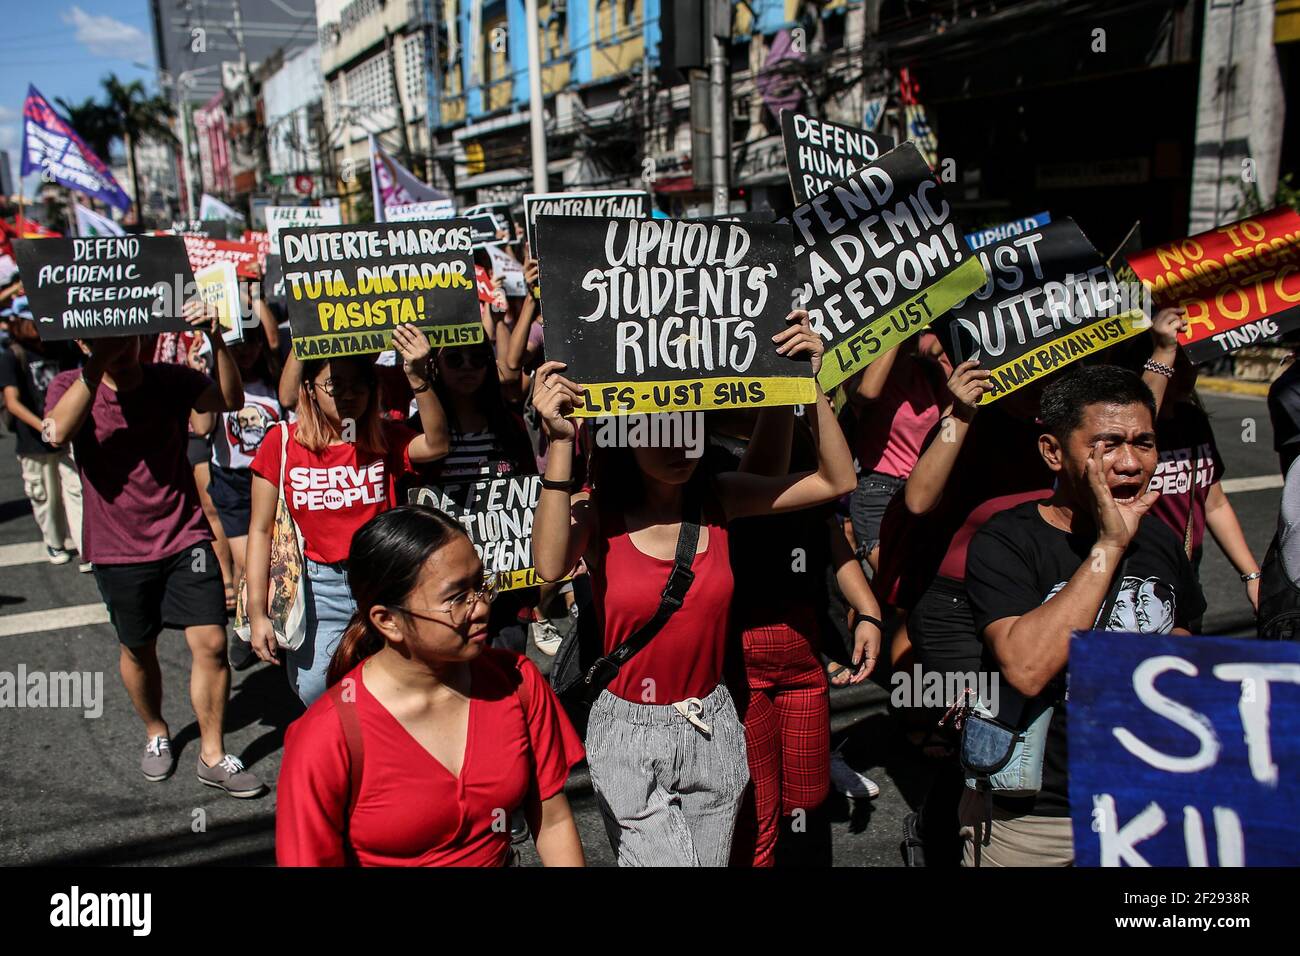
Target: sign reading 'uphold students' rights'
670,315
1239,283
1049,301
601,203
348,286
820,153
106,286
886,258
497,514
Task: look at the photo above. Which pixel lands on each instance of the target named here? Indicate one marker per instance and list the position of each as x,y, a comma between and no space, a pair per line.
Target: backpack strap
351,724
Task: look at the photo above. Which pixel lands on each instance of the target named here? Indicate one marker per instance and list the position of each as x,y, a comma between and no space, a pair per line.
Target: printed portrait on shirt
247,427
1142,606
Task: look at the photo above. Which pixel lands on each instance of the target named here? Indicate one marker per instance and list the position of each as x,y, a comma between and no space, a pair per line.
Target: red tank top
685,658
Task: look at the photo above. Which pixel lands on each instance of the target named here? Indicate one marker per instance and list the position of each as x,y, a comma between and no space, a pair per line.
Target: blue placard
1184,751
982,237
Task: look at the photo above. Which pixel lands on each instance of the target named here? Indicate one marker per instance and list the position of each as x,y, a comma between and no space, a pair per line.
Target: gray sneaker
158,761
229,775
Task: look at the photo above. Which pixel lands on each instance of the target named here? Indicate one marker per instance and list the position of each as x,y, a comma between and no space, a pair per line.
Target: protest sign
508,270
207,228
982,237
420,211
606,203
1182,751
1239,283
273,282
500,215
497,515
203,252
820,153
483,229
659,315
1049,301
106,286
218,286
287,217
885,256
487,292
347,286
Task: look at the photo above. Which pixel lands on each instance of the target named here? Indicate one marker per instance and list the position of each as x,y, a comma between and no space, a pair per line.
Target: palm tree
93,123
136,115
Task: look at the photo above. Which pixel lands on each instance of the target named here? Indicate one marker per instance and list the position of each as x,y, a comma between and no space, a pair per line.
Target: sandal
837,674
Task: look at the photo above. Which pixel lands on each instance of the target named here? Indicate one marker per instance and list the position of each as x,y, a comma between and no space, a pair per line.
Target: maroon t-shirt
138,495
1185,430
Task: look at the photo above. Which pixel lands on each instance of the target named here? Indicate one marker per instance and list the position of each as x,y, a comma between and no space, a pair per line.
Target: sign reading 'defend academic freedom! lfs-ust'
106,286
670,315
1183,751
886,256
347,287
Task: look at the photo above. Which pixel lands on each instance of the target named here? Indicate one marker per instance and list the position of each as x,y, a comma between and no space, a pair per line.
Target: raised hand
555,398
1117,521
1165,329
798,338
413,346
968,384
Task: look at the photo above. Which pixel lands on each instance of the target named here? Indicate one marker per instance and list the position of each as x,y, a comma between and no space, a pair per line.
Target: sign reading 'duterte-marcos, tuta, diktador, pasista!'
105,286
347,287
670,315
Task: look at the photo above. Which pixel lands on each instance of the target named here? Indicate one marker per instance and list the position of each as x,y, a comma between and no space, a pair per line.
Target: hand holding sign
1165,329
968,384
555,398
800,339
201,316
413,346
1116,519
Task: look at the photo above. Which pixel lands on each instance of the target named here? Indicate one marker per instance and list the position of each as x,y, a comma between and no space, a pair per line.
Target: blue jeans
329,609
867,507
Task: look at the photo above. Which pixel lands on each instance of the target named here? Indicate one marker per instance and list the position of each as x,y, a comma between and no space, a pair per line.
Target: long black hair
508,428
384,564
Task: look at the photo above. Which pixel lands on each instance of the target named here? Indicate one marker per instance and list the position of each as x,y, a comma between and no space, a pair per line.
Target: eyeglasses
344,387
461,606
461,359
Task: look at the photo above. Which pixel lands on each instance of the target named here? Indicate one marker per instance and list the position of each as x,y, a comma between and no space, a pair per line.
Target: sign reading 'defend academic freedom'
886,257
1239,283
348,286
497,515
659,315
603,203
982,237
1049,300
106,286
1183,751
820,153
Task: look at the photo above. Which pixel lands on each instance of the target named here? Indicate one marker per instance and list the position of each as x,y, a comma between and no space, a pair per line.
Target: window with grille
413,73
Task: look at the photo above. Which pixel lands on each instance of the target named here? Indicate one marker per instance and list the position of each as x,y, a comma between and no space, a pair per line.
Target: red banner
1239,283
203,252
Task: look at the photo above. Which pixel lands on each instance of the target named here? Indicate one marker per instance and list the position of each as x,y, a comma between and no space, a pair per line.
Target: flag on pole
91,223
394,185
210,207
52,148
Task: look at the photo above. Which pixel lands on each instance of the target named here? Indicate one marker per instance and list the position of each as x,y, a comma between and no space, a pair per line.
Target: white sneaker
546,637
850,782
57,555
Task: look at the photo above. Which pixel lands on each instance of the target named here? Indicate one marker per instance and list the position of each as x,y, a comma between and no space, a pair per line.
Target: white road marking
1252,483
33,622
29,552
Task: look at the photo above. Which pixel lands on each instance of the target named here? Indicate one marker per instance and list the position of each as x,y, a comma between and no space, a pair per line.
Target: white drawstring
691,708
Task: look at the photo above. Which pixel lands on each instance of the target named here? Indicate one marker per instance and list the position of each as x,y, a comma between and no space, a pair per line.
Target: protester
429,739
664,744
145,533
1088,557
1284,407
50,479
342,466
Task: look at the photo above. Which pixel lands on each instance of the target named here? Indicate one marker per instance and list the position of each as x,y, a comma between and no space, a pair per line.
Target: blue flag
52,148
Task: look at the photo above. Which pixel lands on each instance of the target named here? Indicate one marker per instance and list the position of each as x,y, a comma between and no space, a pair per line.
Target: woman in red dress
427,739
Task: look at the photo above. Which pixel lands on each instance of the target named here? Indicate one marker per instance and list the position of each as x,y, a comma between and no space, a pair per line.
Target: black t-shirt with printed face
31,379
1018,561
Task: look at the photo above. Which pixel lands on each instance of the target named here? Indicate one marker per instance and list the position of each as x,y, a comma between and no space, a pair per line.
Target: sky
64,48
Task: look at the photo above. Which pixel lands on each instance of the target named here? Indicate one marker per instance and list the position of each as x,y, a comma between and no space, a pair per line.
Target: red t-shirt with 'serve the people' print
410,810
333,492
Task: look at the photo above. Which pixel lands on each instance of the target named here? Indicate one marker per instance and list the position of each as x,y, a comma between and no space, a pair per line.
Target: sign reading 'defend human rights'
659,315
1183,751
348,286
106,286
1049,301
820,153
498,517
604,203
886,257
1239,283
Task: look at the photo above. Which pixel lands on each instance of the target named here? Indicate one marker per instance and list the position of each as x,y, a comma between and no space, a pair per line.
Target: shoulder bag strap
674,595
1191,502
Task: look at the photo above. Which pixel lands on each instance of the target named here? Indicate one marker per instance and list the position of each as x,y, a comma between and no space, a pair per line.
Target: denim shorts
867,506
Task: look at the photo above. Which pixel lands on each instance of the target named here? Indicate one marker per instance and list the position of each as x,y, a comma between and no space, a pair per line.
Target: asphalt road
71,791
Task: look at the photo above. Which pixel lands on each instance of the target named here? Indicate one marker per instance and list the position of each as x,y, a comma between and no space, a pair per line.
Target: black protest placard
500,215
604,203
273,281
348,286
670,315
497,514
105,286
885,256
208,228
1049,300
483,229
820,153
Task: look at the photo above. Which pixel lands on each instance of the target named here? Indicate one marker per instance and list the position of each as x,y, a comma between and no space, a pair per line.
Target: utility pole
536,120
397,98
184,111
720,104
433,86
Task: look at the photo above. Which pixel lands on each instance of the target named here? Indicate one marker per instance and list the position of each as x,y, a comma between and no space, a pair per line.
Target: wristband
1160,368
552,485
423,388
1254,575
859,618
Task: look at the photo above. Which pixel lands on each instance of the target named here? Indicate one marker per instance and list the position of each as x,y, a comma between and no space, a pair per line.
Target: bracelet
859,618
423,388
1160,368
552,485
1250,577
